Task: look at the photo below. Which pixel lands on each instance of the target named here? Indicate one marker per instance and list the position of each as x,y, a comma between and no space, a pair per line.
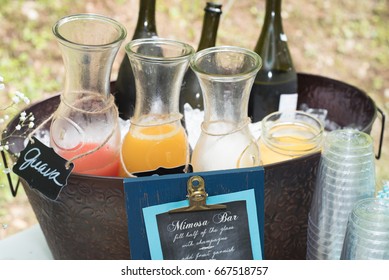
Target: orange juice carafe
156,137
84,129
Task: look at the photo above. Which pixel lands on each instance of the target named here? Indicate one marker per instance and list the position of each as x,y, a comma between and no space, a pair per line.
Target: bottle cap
213,7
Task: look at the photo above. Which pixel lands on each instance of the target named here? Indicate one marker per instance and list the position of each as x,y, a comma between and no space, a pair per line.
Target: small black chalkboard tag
43,169
165,171
206,235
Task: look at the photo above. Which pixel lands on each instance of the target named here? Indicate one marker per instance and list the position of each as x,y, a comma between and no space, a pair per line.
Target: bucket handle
13,189
378,155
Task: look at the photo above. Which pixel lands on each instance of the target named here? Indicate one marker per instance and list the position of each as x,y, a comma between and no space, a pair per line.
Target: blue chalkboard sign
145,192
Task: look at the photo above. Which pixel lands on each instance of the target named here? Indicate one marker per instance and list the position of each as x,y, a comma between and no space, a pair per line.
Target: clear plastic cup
374,232
348,142
369,242
325,204
329,241
329,227
357,248
367,235
361,171
323,253
362,253
376,229
373,210
346,174
342,157
353,162
350,189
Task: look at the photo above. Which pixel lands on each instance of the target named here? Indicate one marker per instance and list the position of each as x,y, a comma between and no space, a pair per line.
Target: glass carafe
288,135
84,128
156,137
226,75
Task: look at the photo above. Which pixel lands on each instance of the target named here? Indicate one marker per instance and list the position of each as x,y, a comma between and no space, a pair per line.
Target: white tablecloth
29,244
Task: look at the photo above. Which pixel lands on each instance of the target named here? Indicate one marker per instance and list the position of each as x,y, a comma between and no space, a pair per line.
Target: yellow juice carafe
290,134
156,137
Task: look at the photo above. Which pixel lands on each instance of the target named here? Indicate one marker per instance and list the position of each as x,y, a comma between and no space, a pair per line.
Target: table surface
29,244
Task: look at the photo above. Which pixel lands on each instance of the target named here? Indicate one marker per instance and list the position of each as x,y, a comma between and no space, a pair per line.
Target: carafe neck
226,75
89,44
158,66
226,101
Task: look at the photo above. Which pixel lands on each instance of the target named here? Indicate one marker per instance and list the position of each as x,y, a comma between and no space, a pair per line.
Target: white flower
18,127
31,124
7,170
15,99
6,147
32,118
1,148
2,85
19,94
23,116
6,117
2,120
26,100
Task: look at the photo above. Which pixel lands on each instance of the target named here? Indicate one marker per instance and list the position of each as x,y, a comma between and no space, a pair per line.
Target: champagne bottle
275,86
125,85
190,90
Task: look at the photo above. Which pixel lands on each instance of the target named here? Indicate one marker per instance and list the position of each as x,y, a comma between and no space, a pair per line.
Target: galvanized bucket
88,221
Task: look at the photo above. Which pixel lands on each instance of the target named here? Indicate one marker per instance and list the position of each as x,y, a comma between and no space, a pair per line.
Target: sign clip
197,197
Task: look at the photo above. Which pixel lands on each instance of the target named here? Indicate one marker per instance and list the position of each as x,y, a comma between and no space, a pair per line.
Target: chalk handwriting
31,160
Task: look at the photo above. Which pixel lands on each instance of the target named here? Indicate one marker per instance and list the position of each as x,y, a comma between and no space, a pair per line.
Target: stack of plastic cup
367,235
346,174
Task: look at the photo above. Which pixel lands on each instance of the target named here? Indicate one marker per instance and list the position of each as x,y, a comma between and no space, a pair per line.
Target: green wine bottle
125,85
191,96
275,86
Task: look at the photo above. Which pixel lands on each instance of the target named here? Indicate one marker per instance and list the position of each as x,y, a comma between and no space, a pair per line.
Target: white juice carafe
226,75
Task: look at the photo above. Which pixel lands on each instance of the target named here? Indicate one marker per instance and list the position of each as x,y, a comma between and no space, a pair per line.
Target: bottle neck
273,11
146,25
272,24
272,44
210,26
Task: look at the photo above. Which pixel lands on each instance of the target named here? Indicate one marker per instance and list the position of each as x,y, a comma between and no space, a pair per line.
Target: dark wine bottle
125,85
275,86
190,90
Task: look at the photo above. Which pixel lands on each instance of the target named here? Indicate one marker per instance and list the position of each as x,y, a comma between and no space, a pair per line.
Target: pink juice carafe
85,128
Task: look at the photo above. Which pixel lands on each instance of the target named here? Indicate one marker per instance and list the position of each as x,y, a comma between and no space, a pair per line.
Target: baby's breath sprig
25,120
